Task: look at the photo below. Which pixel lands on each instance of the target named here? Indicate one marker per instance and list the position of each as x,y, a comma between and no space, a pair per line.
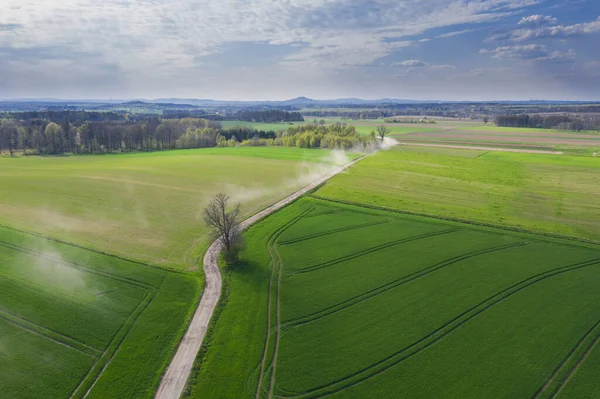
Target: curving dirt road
175,379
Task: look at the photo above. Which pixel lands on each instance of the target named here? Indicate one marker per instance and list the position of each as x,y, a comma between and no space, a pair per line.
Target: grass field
555,194
147,206
334,300
76,322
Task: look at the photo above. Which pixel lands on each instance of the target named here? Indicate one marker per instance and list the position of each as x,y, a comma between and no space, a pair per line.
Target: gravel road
174,380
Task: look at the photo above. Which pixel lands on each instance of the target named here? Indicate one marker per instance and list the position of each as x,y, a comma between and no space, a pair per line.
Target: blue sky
278,49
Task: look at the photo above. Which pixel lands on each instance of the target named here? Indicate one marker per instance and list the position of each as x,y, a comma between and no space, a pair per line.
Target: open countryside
258,199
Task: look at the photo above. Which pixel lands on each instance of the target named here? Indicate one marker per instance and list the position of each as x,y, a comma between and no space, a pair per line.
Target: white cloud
410,66
163,37
455,33
410,63
538,20
542,30
530,52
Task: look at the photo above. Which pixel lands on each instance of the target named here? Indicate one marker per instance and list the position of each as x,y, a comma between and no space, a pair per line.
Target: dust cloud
305,173
49,269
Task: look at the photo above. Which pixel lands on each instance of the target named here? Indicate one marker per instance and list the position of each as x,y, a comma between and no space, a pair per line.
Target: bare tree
225,225
383,131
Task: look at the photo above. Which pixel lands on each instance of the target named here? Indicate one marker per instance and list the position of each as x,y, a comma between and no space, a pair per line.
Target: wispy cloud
538,20
420,64
192,48
530,52
543,27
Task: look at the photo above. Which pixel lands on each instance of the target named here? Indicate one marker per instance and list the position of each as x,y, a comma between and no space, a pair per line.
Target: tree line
561,122
38,136
269,116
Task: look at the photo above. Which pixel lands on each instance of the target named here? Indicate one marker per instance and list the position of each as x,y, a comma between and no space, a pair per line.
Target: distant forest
41,133
562,122
269,116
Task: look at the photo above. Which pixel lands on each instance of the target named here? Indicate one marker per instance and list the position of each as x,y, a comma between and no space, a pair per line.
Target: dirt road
174,380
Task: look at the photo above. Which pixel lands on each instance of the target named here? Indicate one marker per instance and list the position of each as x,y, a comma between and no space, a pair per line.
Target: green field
76,322
554,194
334,300
147,206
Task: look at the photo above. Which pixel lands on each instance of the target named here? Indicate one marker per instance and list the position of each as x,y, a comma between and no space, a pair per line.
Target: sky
280,49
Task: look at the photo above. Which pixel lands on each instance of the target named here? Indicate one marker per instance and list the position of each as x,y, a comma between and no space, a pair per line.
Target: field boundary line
96,251
329,232
371,250
572,241
178,372
87,269
47,333
407,352
393,284
566,369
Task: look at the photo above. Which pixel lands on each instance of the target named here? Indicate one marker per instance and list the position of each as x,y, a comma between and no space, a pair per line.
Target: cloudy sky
278,49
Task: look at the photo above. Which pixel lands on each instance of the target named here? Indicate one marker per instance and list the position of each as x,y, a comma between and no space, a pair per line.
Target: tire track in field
176,376
278,323
63,297
369,251
563,373
274,265
327,212
393,284
47,333
113,348
87,269
329,232
268,334
381,366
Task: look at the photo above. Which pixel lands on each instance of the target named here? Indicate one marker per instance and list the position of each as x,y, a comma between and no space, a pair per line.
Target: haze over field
268,49
299,199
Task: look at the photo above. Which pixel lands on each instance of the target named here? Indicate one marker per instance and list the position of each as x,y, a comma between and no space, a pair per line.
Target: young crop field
76,323
147,206
556,194
342,301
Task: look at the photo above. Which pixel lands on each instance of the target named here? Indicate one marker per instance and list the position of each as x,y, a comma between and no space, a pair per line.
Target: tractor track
176,376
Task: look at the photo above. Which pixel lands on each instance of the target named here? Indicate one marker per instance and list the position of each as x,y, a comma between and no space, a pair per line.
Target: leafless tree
224,224
383,131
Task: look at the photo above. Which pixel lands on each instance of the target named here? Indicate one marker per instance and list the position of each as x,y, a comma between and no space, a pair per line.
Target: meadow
550,194
147,206
77,323
336,300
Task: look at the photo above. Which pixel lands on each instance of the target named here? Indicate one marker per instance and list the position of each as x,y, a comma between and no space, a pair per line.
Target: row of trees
335,136
269,116
562,122
40,136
